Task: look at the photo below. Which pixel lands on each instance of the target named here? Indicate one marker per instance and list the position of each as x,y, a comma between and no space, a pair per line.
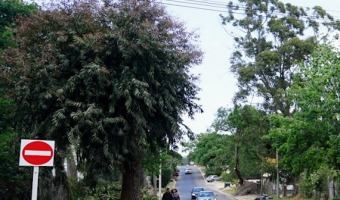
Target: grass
298,197
170,185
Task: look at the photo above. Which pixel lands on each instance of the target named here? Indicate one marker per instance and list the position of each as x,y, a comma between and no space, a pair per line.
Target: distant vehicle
188,171
212,178
175,174
195,191
206,195
263,196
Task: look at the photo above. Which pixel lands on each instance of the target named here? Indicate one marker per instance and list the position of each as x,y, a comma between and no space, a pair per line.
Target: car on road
206,195
195,191
263,196
188,171
212,178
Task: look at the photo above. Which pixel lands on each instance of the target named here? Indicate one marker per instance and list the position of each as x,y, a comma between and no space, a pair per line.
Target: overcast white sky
217,83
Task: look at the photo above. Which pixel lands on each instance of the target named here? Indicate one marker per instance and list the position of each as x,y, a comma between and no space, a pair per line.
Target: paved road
185,182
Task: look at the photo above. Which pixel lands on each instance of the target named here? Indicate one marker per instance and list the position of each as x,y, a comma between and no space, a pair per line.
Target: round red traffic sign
37,153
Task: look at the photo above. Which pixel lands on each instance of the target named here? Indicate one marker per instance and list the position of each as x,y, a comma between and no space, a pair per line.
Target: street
185,182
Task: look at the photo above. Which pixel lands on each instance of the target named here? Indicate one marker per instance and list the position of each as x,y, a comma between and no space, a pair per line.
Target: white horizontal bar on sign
37,153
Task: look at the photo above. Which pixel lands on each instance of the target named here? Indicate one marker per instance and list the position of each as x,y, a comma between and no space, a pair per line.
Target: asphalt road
185,182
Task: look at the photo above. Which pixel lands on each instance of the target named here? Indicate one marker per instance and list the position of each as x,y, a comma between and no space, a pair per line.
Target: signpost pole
36,153
35,182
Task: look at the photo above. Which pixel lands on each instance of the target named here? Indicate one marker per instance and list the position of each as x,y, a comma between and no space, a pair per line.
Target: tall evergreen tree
14,180
108,79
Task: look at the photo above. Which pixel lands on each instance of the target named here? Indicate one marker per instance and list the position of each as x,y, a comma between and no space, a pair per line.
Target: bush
166,176
306,186
231,177
214,170
147,196
15,181
109,191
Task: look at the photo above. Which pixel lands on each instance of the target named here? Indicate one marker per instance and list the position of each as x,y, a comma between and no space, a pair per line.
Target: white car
206,195
188,171
212,178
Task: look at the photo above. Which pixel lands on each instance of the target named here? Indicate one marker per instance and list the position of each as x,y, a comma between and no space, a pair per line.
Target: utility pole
277,175
160,181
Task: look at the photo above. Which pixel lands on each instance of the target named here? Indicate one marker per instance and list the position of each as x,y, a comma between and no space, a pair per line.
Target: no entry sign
36,153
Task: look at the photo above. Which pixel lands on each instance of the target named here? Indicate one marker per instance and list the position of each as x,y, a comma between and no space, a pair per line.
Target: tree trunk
71,164
331,190
154,178
132,178
236,168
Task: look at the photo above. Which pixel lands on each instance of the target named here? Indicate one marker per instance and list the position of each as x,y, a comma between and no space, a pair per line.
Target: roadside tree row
285,60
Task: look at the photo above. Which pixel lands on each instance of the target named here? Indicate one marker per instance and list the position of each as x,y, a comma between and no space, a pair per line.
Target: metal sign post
36,153
35,183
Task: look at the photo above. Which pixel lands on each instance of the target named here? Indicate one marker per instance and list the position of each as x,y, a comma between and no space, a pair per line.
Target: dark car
195,191
263,196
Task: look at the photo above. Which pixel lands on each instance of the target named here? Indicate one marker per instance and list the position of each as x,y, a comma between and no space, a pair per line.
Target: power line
194,7
205,2
215,6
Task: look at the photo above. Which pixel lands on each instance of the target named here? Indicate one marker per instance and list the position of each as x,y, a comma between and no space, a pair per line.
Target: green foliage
147,196
308,139
213,151
316,182
306,186
166,175
93,76
273,36
248,125
105,190
5,111
243,128
229,177
10,10
15,181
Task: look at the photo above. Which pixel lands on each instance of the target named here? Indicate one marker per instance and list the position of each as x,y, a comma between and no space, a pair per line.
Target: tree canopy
270,38
111,79
11,10
309,139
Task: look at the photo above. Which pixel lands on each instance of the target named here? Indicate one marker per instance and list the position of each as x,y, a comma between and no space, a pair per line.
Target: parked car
195,191
263,196
212,178
175,174
188,171
206,195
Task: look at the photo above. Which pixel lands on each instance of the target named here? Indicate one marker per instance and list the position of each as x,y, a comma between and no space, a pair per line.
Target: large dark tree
10,10
14,180
270,38
109,80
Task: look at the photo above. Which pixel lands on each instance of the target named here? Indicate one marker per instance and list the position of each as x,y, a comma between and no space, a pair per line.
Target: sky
217,83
